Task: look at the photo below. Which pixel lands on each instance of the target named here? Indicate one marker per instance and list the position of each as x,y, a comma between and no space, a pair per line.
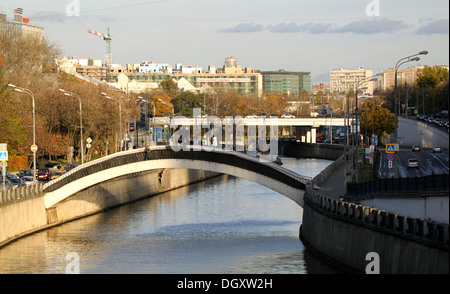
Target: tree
431,76
169,86
185,102
375,118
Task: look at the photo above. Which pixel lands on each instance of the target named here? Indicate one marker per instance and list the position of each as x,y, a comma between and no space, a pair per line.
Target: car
52,164
16,182
57,174
25,173
70,166
28,180
132,127
287,116
436,149
412,162
44,174
415,148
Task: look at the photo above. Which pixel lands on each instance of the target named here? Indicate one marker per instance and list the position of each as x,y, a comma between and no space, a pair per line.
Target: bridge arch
268,174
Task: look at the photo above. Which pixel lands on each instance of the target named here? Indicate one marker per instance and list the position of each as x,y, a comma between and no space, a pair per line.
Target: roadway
429,162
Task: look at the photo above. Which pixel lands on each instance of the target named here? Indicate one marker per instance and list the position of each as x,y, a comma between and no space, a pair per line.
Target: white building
341,81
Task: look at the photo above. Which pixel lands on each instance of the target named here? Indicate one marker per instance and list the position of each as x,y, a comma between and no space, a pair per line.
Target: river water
224,225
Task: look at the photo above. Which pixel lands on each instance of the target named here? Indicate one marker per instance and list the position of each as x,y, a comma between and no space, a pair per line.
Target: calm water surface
224,225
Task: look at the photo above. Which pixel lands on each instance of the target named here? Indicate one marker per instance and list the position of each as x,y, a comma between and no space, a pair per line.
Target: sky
312,36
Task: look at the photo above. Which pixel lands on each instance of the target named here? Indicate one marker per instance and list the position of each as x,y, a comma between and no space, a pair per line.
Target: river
224,225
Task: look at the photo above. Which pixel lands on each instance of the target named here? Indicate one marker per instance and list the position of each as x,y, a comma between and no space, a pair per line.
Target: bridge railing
233,158
428,232
21,193
406,185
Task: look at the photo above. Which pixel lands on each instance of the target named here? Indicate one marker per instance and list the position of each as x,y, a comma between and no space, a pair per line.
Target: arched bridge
237,164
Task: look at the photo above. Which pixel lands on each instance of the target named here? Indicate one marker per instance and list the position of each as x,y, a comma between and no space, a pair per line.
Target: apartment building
20,26
404,76
342,80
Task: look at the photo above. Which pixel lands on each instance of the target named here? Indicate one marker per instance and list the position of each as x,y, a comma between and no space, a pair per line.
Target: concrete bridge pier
305,134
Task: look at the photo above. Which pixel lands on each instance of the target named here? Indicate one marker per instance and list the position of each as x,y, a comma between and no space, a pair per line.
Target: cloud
312,28
436,27
365,27
372,26
244,28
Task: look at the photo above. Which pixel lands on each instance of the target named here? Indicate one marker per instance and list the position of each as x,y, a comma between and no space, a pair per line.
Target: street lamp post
400,62
81,121
360,83
120,117
26,91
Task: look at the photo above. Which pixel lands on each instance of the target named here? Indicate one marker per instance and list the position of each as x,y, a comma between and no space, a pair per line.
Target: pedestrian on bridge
147,152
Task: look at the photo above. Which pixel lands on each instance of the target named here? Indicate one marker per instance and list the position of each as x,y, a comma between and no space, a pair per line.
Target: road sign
391,148
34,148
390,156
370,155
3,155
390,164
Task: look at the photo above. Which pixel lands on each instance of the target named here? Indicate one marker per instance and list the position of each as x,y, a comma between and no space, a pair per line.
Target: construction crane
108,40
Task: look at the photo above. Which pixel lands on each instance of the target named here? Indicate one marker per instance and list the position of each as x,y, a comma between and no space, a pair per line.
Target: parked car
25,173
44,174
16,182
287,116
132,128
52,164
412,162
415,148
70,166
57,174
436,149
28,180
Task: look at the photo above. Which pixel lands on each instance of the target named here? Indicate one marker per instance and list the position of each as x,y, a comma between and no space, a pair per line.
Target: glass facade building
286,82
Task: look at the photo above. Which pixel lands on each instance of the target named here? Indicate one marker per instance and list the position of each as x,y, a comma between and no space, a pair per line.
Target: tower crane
108,40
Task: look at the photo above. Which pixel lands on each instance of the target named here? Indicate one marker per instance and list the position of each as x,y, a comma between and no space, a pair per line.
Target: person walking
147,152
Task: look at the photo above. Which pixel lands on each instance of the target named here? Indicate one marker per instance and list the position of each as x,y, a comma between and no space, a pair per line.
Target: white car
415,148
436,149
287,116
412,162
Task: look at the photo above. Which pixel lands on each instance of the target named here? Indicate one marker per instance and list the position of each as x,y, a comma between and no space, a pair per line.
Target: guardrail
413,185
20,193
428,232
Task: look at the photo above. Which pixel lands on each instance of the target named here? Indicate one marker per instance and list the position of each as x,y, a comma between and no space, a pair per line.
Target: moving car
44,174
412,162
436,149
415,148
70,166
16,182
287,116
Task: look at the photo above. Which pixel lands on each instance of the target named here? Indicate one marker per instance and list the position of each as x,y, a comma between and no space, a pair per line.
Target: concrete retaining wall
20,217
344,233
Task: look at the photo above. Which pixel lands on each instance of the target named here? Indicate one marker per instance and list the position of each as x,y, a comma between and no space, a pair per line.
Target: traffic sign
390,156
391,148
3,155
370,155
34,148
390,164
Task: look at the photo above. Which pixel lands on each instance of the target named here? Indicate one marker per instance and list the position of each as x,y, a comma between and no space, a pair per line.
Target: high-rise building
286,82
404,76
342,80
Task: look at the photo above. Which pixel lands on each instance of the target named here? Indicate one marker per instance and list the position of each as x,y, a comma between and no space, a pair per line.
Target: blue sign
390,148
4,155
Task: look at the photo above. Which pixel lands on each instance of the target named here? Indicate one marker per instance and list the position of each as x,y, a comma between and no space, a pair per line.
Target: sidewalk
335,186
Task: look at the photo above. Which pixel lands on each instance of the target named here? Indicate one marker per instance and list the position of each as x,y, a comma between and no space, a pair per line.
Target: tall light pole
26,91
400,62
360,83
120,117
81,121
